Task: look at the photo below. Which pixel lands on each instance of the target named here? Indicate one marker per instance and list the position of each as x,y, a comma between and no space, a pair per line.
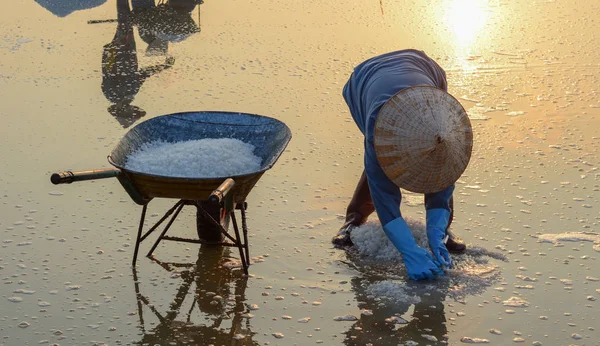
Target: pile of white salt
203,158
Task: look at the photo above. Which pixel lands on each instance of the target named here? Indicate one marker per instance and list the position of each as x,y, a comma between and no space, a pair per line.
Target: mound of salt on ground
203,158
370,240
571,237
373,253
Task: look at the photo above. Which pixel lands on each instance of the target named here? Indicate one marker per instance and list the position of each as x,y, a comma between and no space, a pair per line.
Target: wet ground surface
526,72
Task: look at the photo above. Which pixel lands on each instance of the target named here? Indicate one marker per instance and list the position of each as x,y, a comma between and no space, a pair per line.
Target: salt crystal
396,320
429,337
470,340
515,302
345,318
526,278
525,287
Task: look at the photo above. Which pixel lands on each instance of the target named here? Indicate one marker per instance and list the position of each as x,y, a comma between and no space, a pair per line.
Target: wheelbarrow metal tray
269,136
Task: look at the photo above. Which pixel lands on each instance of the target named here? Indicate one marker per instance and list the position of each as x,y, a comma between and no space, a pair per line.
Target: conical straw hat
423,139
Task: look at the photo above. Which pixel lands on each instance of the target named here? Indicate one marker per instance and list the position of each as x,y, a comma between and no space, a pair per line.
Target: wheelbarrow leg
162,219
239,244
139,235
245,231
165,230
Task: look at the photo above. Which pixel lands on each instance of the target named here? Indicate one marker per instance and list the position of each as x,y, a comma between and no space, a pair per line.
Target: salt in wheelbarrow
216,199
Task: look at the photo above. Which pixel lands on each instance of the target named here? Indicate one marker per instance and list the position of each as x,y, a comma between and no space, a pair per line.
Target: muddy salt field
527,206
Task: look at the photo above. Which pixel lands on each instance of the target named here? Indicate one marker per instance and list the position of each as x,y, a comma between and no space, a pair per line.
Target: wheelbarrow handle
68,177
217,195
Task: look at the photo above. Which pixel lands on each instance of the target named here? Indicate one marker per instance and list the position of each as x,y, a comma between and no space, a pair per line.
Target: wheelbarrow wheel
208,232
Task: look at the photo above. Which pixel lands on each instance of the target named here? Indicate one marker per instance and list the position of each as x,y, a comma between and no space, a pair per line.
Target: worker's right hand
419,263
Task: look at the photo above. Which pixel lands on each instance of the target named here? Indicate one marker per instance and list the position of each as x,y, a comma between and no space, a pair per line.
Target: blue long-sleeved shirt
372,83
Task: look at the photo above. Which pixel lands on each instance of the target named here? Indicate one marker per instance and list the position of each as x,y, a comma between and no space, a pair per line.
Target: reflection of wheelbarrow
214,198
212,312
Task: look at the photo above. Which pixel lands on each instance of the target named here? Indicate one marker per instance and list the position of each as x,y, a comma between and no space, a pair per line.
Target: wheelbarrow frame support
222,196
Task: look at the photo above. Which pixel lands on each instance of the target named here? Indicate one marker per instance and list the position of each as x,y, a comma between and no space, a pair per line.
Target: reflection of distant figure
63,8
169,21
428,318
121,78
156,46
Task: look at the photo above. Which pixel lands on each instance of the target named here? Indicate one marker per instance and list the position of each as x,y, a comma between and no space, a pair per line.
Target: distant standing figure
416,137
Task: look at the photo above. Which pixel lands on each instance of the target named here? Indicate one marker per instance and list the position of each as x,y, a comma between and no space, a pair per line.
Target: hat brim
423,139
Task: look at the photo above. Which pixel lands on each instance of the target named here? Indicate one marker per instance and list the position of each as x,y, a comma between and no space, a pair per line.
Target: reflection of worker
417,137
428,318
121,78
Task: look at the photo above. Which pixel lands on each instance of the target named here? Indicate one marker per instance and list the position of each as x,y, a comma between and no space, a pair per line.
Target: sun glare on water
466,19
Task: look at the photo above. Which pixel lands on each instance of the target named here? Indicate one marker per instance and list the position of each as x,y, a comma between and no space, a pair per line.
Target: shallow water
526,72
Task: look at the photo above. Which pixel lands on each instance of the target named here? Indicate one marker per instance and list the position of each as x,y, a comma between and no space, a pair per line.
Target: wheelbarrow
215,199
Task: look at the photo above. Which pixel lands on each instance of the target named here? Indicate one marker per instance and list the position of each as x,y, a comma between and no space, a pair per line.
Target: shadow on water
158,25
208,307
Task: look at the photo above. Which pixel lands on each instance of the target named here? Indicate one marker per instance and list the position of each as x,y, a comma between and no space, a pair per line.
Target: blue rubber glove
437,222
419,263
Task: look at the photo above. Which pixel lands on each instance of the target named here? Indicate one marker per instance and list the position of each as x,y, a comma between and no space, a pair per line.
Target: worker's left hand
437,246
437,221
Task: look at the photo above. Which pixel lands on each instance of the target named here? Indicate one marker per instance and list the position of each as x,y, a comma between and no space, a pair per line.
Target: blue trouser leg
442,199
